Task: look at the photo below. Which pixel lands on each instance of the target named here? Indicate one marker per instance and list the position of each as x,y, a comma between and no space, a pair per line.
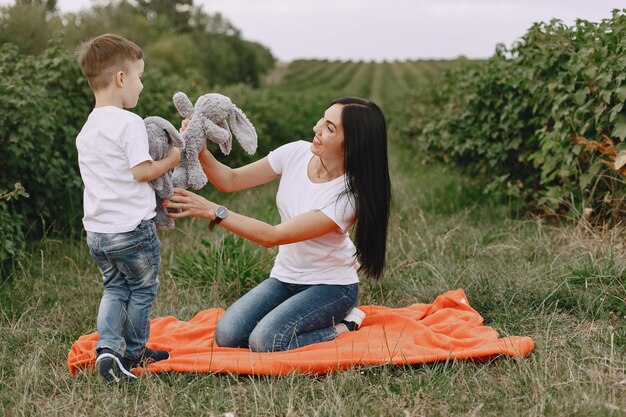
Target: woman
339,180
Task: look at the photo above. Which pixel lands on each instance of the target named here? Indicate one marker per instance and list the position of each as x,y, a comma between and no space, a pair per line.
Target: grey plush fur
162,136
214,118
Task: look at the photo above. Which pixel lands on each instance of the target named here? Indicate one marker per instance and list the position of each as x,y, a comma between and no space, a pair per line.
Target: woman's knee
228,334
263,340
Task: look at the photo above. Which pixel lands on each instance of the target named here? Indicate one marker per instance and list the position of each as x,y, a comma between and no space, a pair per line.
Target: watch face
221,212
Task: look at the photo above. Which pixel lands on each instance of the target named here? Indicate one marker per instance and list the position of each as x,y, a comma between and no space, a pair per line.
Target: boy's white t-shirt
327,259
111,142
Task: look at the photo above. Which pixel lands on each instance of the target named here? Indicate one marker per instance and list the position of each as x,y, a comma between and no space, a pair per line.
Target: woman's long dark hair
367,178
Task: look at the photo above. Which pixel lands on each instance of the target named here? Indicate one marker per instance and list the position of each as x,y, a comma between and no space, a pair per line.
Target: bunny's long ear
227,145
183,104
175,137
243,130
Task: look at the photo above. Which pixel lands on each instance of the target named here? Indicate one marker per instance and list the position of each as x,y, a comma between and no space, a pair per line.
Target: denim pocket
132,261
101,261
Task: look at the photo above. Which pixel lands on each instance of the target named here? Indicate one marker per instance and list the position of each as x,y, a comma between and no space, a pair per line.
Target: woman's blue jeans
277,316
129,263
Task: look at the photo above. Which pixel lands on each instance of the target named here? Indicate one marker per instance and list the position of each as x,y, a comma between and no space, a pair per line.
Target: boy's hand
174,155
150,170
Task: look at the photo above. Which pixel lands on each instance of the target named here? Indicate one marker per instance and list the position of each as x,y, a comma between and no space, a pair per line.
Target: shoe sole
116,372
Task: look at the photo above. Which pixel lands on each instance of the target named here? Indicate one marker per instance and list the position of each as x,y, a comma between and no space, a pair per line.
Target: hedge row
45,101
520,118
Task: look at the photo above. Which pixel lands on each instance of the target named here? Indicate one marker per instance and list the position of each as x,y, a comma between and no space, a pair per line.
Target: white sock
341,328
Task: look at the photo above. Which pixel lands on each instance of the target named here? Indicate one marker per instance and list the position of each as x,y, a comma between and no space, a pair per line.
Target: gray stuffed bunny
214,118
162,136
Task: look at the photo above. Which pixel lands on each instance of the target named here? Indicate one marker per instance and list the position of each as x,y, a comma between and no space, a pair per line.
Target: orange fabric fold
447,329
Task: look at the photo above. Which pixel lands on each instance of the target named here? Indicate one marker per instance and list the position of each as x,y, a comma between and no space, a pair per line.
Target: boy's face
131,83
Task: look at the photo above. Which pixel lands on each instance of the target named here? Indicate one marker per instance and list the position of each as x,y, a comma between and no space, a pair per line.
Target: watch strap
215,222
217,219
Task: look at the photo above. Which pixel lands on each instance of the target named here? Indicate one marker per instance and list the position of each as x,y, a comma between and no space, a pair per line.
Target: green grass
563,286
557,285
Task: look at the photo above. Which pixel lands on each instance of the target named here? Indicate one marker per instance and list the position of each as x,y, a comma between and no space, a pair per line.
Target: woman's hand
190,205
204,150
185,123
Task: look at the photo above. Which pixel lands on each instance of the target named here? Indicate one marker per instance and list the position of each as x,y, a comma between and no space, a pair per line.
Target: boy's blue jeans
277,316
129,263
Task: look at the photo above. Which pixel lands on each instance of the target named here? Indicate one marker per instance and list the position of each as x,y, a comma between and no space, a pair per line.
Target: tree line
175,36
45,98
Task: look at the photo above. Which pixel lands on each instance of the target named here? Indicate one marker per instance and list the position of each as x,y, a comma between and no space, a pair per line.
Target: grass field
563,286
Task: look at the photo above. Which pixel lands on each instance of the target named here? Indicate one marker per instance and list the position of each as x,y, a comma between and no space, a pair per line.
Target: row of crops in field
378,81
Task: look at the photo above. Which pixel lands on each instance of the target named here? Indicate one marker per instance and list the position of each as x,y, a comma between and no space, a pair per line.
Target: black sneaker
149,356
113,367
353,319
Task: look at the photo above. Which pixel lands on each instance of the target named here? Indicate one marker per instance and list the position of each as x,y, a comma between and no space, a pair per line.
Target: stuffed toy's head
214,117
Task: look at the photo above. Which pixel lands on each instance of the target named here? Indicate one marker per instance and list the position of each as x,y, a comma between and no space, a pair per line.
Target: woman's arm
228,179
303,227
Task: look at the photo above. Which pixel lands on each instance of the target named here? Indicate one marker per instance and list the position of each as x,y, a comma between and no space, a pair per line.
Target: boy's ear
119,78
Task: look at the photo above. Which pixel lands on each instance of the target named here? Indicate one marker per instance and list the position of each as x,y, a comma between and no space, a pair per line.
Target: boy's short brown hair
103,55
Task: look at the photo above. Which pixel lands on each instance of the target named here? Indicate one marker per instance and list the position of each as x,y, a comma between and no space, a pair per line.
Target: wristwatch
221,213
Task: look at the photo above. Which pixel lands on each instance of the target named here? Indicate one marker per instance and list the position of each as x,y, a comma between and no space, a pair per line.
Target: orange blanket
446,329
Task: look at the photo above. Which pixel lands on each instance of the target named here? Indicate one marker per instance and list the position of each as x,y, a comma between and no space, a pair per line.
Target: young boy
119,204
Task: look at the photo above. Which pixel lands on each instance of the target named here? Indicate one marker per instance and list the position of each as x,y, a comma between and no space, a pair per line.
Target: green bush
12,230
46,101
512,118
44,104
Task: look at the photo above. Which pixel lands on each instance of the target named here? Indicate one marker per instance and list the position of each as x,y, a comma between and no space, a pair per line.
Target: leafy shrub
44,103
514,117
12,230
28,25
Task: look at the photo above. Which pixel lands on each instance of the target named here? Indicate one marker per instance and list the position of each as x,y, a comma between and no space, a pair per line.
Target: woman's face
328,140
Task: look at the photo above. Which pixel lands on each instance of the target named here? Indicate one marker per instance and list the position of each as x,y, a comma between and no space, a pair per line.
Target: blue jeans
129,263
276,316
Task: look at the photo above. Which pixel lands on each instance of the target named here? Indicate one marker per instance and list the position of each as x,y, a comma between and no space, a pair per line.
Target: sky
390,29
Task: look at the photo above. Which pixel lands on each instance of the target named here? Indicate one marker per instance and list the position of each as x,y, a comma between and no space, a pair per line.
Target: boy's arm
150,170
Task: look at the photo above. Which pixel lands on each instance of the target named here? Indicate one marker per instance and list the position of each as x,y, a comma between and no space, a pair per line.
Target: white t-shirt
327,259
112,142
